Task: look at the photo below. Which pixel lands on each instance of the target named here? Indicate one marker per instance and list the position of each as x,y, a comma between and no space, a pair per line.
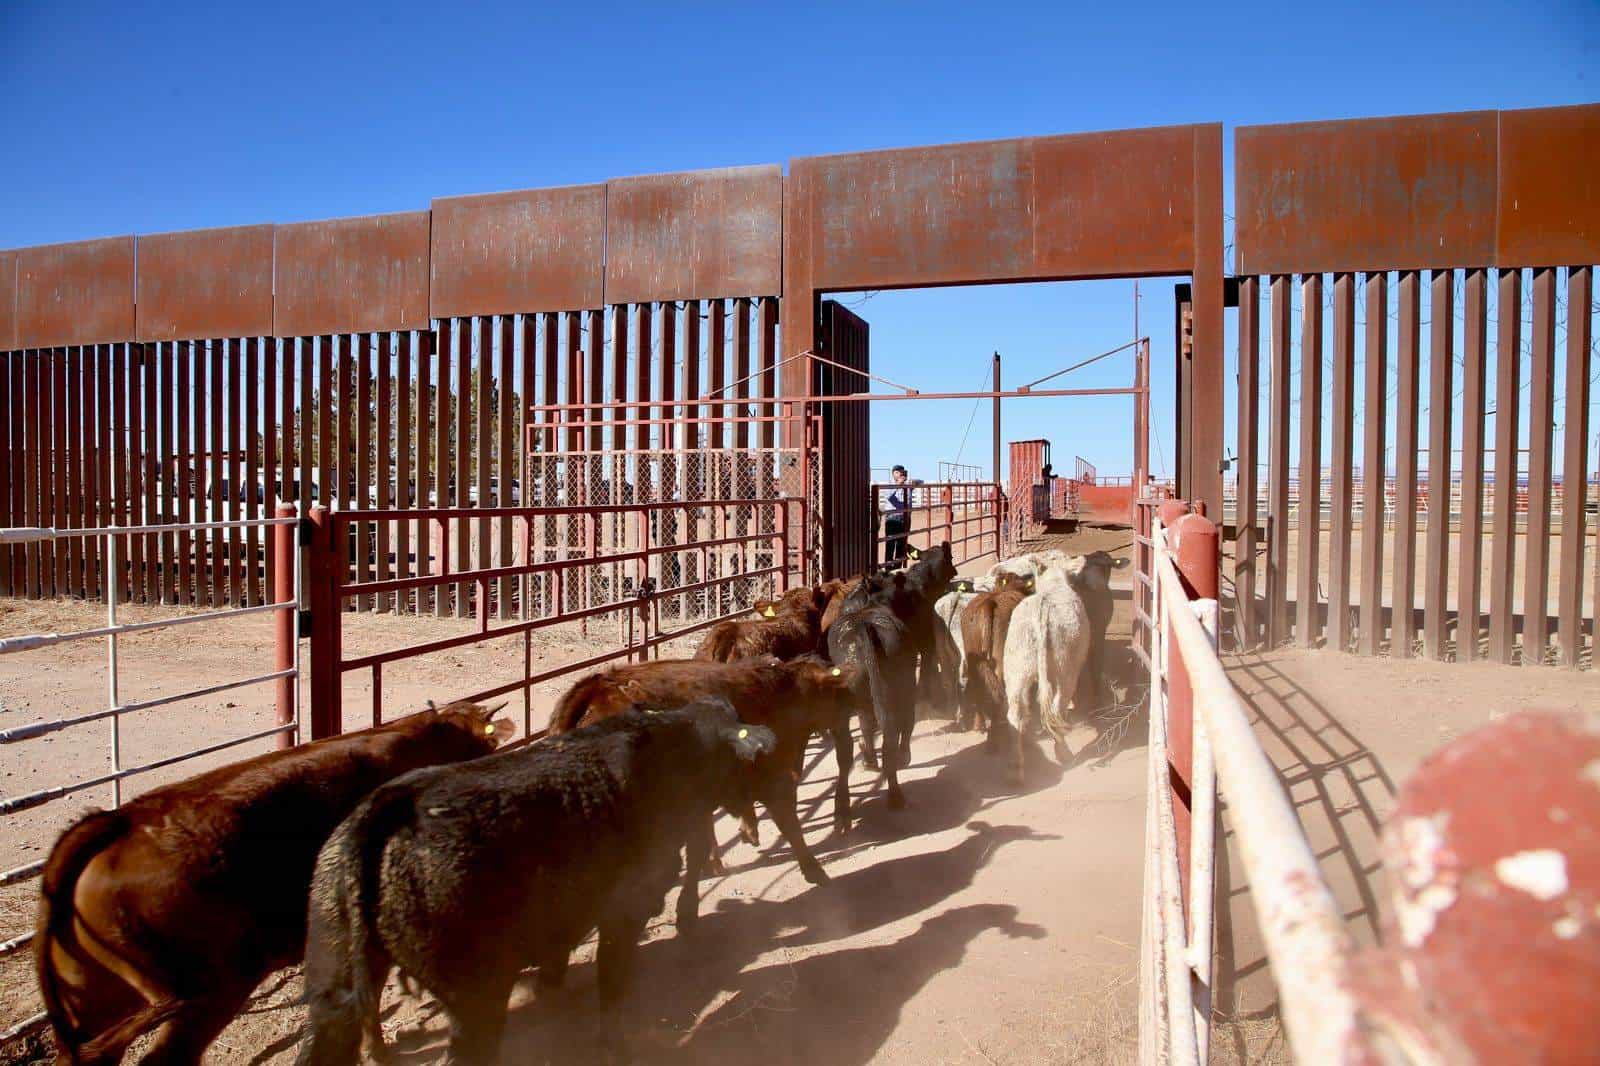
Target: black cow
462,879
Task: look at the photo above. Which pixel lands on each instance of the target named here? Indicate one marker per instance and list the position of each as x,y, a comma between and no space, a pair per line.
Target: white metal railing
1306,942
115,709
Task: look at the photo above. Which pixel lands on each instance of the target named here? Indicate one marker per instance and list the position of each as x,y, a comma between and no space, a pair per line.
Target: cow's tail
1054,665
574,704
68,859
340,946
718,645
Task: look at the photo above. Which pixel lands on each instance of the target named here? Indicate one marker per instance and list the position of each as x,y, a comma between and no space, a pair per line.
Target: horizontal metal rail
44,640
29,534
33,799
1305,938
608,510
39,729
24,1028
21,873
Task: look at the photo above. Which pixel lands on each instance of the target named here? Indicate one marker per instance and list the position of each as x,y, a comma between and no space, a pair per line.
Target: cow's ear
1118,564
750,741
501,729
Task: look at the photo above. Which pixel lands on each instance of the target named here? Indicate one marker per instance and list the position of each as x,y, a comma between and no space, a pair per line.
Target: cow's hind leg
477,1019
779,798
869,735
698,850
841,787
183,1040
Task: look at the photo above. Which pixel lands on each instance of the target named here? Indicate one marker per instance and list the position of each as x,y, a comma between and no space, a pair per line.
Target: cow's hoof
871,764
688,918
841,827
715,868
813,872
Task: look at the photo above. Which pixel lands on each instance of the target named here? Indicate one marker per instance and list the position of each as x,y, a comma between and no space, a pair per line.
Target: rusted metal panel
1549,195
1308,519
848,539
1408,360
1078,205
1574,467
1541,426
1374,464
1366,194
9,413
80,293
205,283
1441,401
8,300
694,235
519,252
1469,580
351,275
1278,579
1203,437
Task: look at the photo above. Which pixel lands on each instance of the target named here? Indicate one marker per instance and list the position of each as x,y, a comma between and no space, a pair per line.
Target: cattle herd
415,846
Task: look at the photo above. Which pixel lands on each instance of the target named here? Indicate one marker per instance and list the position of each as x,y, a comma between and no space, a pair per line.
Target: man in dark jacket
897,523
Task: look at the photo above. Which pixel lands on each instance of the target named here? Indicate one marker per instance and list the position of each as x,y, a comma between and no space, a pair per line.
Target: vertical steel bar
595,379
71,457
104,415
91,470
221,355
61,459
112,700
173,430
444,493
619,384
345,493
383,453
272,494
463,460
112,384
13,474
1202,855
644,435
1405,493
330,492
1244,552
767,360
1278,619
536,465
196,474
741,374
233,488
9,413
506,458
1541,428
150,465
252,485
1309,517
311,395
404,470
1503,534
1469,579
32,407
421,342
549,375
717,373
1374,463
133,449
281,547
1344,376
485,453
1441,400
1574,465
361,498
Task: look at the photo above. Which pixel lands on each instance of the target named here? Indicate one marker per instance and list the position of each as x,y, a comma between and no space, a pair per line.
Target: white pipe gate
286,596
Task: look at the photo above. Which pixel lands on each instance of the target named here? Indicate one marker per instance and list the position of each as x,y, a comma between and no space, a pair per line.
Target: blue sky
141,118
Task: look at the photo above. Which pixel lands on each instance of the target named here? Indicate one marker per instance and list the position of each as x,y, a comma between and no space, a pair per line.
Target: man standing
897,523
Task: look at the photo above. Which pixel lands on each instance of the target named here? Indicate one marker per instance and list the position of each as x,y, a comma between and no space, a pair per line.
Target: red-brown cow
170,910
794,699
787,627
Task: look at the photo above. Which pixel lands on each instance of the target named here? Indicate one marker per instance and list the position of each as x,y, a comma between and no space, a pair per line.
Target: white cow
1046,650
951,604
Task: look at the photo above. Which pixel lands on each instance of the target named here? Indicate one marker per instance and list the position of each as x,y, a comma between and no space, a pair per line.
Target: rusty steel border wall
119,340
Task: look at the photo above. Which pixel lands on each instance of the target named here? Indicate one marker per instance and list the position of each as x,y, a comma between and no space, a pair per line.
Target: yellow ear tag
836,671
914,553
743,733
488,730
770,613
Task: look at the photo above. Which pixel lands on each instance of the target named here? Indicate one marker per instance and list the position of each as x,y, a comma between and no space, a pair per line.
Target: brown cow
171,909
786,628
838,591
794,699
984,625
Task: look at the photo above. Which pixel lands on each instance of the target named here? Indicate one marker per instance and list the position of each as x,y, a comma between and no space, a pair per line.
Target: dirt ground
981,924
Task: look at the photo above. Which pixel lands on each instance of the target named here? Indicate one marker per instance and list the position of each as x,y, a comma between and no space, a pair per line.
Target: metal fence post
327,714
284,637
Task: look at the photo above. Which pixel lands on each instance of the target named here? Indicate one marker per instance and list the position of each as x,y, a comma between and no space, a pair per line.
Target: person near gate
897,523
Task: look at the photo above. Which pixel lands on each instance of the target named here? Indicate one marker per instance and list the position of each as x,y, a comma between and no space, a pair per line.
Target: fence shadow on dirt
1337,786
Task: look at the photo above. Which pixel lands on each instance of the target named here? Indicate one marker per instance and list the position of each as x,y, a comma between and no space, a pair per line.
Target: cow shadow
695,999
